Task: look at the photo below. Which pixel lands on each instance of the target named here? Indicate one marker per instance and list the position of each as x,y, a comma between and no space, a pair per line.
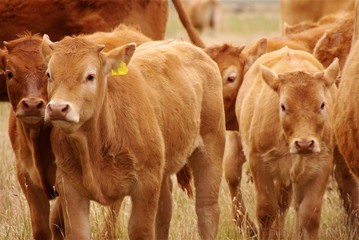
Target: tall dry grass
238,29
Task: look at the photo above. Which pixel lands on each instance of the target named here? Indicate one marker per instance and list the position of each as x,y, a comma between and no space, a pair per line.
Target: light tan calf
284,110
296,11
203,13
125,135
328,19
336,41
233,166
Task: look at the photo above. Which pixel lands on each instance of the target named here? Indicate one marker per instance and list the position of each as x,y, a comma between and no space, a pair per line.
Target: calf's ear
332,73
270,77
118,55
255,52
47,47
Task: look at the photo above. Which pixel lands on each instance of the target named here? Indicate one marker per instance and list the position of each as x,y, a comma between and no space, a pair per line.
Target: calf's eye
90,78
9,74
231,78
48,76
322,106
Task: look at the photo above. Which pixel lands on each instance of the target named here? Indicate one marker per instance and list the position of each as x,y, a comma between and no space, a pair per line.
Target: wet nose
32,105
57,111
304,146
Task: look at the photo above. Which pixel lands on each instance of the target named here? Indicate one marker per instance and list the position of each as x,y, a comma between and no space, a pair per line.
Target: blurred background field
241,22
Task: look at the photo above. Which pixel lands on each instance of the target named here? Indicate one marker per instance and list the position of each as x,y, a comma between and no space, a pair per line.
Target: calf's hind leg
145,197
267,202
206,164
233,161
164,211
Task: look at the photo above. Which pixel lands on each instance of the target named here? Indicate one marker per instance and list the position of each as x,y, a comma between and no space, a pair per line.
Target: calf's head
77,79
233,62
302,105
24,72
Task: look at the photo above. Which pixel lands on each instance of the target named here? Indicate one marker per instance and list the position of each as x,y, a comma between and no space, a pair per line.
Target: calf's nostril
311,145
40,104
25,105
66,108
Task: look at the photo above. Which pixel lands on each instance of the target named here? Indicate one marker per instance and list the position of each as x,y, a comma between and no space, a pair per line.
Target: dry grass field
236,27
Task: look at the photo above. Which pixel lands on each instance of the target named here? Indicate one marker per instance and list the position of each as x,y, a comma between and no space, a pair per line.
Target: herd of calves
112,114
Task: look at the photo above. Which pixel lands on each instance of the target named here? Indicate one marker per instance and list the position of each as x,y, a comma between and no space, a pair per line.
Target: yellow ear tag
121,70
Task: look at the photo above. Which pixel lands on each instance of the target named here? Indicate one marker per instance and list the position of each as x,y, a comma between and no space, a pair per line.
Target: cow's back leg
232,164
164,211
348,188
39,206
266,208
206,163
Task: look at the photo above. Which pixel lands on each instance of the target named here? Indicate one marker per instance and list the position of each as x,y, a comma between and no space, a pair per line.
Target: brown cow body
347,114
67,17
284,109
137,152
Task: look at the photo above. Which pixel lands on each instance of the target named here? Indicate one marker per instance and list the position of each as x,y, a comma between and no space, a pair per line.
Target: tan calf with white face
284,111
117,136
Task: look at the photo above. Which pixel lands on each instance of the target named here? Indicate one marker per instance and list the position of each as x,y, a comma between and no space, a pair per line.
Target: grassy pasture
236,28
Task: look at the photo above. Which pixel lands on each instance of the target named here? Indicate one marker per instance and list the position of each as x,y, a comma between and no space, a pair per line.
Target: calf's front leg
75,210
308,204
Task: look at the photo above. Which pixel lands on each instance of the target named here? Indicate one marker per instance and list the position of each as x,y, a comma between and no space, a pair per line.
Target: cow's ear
286,26
118,55
331,74
255,52
323,41
8,45
270,77
47,47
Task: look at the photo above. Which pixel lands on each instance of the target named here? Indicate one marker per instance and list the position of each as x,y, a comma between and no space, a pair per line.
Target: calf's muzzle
304,146
57,111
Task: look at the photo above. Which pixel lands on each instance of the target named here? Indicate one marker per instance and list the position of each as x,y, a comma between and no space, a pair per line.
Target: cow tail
184,177
186,22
